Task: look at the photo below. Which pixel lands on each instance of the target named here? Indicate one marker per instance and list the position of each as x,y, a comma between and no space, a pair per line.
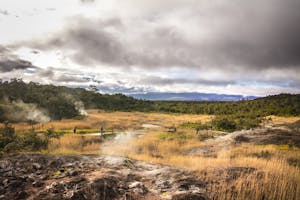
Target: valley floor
143,157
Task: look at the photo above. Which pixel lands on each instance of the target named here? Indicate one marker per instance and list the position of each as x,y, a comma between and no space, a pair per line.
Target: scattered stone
131,177
105,188
22,195
36,166
73,173
190,196
129,164
37,184
80,195
138,188
81,177
163,185
188,183
5,182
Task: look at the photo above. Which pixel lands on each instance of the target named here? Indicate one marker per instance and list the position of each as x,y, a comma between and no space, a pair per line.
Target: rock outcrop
93,177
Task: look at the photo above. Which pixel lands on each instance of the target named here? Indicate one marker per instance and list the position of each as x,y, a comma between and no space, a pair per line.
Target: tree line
64,102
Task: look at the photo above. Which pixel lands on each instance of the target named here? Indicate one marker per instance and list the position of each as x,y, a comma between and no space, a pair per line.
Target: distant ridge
169,96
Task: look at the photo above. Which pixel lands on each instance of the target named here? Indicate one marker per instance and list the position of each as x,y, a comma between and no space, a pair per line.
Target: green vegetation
281,105
196,126
7,136
227,123
174,136
294,162
59,102
263,154
10,142
235,122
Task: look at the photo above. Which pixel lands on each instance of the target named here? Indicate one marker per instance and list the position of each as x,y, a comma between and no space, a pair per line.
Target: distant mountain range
166,96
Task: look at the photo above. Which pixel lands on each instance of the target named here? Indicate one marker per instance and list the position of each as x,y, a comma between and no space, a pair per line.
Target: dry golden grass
116,120
272,177
75,144
276,120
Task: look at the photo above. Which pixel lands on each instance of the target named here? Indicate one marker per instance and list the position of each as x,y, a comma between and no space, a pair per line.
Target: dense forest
58,101
18,99
282,105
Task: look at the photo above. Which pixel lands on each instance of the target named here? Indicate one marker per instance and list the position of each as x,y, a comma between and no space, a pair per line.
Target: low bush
9,142
32,142
174,136
7,135
263,154
294,162
224,123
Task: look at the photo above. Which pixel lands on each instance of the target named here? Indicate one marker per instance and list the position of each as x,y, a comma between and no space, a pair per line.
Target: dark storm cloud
253,34
10,62
263,34
89,42
250,34
11,65
243,35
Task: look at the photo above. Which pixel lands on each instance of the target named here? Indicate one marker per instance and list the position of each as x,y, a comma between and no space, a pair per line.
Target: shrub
294,162
32,142
224,123
7,135
9,142
50,133
263,154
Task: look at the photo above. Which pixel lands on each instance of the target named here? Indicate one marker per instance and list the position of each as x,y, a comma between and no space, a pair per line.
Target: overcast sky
248,47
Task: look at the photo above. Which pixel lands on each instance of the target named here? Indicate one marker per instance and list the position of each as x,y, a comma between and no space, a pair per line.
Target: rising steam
80,108
20,111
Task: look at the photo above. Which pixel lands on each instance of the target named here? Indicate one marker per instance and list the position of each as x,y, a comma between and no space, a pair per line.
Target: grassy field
236,170
113,120
243,171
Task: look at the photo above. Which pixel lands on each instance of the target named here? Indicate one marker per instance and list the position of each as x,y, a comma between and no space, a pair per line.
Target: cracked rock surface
35,176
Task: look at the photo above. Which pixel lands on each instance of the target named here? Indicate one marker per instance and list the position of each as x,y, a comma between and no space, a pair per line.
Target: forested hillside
283,105
58,101
19,99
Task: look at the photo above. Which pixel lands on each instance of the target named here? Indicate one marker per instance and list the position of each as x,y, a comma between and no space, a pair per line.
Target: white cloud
234,47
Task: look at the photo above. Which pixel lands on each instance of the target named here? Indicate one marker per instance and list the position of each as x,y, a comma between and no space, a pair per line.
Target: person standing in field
74,130
102,131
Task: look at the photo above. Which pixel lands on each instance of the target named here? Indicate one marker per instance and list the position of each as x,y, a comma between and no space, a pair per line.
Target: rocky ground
278,135
93,177
37,176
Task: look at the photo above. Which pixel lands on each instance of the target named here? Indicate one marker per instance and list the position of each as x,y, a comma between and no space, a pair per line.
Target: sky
247,47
